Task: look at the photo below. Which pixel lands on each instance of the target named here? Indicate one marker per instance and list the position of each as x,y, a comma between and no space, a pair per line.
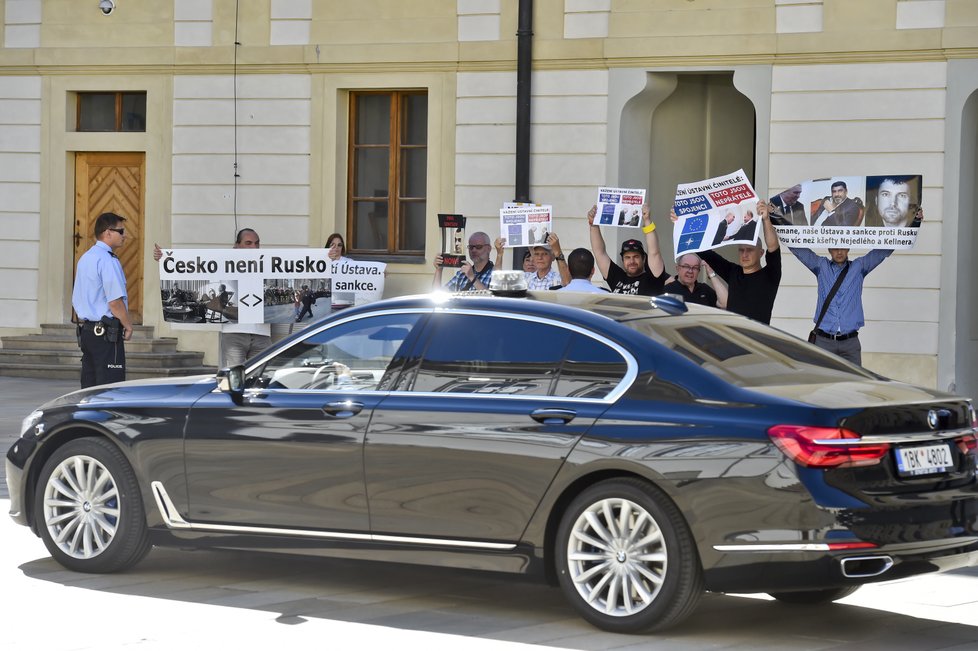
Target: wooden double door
113,182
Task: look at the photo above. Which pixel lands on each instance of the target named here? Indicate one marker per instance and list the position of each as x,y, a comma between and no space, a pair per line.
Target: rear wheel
626,559
812,597
88,508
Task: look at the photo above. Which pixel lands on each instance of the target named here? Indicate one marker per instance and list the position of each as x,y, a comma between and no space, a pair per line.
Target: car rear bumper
768,570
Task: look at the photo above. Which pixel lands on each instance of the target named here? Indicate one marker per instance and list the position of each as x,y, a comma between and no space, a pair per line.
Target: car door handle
553,416
343,408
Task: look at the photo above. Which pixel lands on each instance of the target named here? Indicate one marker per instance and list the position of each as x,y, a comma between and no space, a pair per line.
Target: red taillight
816,447
841,546
967,443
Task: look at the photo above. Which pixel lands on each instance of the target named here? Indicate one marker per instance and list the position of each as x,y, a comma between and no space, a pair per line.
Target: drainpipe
524,57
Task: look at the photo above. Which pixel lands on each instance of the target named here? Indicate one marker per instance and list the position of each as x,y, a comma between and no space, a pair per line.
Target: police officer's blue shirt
98,280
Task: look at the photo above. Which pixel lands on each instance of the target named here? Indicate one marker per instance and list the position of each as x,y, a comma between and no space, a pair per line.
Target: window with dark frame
388,172
111,111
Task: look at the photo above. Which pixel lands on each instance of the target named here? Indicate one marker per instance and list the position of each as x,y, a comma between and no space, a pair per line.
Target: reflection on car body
635,456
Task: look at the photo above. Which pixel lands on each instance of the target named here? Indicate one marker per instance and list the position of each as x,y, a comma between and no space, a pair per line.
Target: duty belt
97,327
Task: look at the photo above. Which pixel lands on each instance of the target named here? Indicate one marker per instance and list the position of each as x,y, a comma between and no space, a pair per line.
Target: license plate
926,460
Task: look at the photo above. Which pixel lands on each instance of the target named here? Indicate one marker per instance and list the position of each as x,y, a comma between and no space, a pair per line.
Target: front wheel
812,597
88,508
626,559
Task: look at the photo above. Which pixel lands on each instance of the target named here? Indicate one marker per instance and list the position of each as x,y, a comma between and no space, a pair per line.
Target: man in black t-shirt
640,272
751,288
687,270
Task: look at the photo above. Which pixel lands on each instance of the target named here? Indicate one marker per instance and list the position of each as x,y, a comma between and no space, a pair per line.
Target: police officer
102,305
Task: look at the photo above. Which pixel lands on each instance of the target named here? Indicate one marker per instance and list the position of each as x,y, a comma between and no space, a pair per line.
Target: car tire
625,558
88,508
813,597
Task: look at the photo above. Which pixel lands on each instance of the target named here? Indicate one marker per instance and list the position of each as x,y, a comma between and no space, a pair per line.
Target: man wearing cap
640,273
544,276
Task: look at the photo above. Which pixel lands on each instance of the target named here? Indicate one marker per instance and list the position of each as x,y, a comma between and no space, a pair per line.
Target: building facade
303,117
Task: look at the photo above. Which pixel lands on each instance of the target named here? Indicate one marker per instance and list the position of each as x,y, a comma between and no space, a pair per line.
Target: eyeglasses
477,246
120,231
690,267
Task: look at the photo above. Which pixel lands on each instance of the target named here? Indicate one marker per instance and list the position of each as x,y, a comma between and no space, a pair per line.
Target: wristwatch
559,258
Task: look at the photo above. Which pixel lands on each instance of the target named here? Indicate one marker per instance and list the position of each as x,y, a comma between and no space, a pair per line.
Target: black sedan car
634,452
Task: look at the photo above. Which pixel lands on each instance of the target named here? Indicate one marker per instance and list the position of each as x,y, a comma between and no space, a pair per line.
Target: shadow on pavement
487,605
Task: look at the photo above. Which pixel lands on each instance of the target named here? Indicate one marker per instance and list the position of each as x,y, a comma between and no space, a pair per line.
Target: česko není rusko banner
619,207
202,286
715,212
850,212
525,224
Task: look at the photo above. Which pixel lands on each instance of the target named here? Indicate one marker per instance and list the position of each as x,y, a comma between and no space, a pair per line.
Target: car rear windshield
747,353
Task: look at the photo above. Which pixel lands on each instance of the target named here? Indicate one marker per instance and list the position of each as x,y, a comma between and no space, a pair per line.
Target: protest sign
851,212
619,207
715,212
525,224
200,286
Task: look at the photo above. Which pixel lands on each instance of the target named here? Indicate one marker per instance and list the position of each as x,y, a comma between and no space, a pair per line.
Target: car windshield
747,353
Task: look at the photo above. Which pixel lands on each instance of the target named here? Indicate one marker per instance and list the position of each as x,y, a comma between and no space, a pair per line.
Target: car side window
590,369
490,355
351,356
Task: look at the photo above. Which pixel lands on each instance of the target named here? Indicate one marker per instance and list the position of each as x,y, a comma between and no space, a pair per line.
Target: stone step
68,342
176,359
71,372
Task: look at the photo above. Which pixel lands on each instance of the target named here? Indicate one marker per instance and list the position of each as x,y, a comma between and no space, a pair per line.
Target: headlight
31,422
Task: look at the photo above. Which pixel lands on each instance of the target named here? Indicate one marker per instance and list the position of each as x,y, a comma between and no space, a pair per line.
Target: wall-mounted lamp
106,7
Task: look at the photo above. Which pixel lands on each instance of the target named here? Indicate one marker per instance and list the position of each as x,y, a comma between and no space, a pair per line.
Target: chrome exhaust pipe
864,567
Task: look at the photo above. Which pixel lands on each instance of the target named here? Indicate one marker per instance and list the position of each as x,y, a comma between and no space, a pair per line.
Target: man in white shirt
580,264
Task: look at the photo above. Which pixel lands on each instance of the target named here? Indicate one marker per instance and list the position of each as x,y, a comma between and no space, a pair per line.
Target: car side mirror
231,381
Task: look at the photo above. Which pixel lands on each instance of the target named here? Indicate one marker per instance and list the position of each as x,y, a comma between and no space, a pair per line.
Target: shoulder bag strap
831,295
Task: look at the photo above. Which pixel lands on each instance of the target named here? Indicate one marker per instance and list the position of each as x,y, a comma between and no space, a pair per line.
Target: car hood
149,390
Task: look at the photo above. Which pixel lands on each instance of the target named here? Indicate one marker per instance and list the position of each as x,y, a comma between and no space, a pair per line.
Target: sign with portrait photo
851,212
619,207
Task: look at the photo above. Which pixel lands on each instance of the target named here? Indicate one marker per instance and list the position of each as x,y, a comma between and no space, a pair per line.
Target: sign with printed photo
525,224
715,212
619,207
852,212
205,286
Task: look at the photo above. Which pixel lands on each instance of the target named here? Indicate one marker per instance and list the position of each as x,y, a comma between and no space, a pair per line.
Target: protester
337,248
640,273
580,266
238,341
100,300
751,287
837,323
693,291
473,275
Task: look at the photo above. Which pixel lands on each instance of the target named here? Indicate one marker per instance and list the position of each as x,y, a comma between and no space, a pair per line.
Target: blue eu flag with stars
694,229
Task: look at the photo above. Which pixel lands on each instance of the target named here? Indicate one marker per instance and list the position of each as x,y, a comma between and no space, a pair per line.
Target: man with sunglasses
100,300
474,275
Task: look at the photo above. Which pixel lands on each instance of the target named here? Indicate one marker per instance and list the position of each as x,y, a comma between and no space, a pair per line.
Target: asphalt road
189,600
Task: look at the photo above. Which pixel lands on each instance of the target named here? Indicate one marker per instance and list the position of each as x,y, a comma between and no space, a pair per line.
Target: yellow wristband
649,228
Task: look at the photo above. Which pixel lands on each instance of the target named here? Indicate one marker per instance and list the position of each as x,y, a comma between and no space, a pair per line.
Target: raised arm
562,269
718,284
500,245
598,249
770,235
656,263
